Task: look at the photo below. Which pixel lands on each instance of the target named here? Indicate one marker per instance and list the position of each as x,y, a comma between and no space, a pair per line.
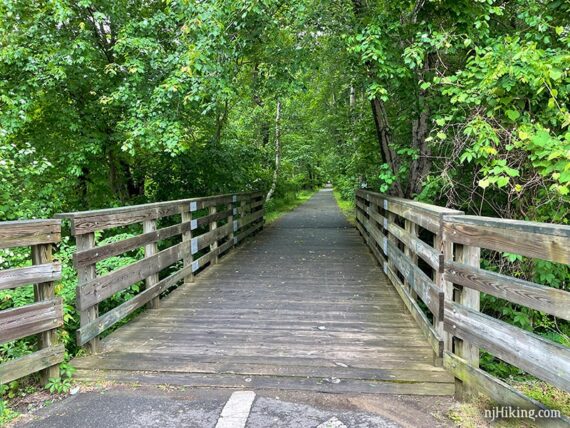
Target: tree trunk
420,167
277,151
383,132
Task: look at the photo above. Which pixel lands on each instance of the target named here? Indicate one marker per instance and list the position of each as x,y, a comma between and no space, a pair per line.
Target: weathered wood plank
214,240
32,363
264,382
425,326
534,354
285,367
537,240
94,328
499,391
138,214
29,232
41,255
419,281
546,299
248,219
244,234
86,274
31,319
91,221
96,254
150,250
429,254
424,215
103,287
186,216
207,258
207,219
12,278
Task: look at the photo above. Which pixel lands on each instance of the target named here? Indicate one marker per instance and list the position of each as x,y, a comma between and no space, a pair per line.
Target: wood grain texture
96,254
425,215
43,291
94,328
91,221
496,389
103,287
432,336
31,363
419,281
30,319
418,247
537,240
545,299
534,354
150,249
86,274
29,232
12,278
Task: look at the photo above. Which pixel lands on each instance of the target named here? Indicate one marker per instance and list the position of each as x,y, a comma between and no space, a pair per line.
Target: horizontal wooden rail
432,255
192,234
400,233
473,331
41,318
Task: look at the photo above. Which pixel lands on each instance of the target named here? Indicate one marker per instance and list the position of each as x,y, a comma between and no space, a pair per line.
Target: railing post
42,254
231,208
391,219
471,299
84,275
213,226
242,209
150,250
413,230
186,216
445,249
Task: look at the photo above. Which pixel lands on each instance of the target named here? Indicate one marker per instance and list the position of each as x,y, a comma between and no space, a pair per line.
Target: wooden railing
406,239
450,279
192,234
471,330
41,318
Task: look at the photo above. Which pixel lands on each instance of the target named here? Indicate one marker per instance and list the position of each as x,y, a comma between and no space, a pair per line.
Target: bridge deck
302,305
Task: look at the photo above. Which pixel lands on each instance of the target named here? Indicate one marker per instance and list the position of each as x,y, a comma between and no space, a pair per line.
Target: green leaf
513,114
555,74
564,177
502,181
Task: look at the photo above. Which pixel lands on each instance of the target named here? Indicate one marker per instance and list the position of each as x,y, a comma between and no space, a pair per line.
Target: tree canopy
463,103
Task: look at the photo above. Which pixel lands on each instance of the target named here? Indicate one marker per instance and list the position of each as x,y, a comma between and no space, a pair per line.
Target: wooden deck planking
302,305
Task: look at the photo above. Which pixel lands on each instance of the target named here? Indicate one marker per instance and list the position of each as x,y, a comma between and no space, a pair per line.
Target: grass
6,414
277,207
471,415
550,396
346,206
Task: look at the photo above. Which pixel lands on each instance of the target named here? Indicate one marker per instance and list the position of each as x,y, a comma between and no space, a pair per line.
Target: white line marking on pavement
332,423
236,411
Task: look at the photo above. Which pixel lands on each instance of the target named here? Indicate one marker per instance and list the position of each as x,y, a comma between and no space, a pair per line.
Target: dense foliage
462,103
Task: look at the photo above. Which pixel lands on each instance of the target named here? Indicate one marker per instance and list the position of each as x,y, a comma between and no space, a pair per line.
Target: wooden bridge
303,305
